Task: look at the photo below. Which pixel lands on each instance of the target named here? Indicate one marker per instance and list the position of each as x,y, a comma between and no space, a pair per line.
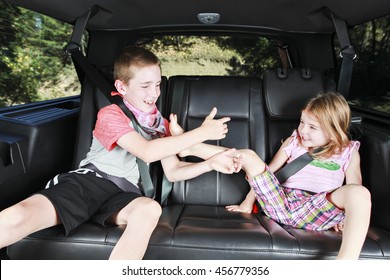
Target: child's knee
360,195
14,216
149,210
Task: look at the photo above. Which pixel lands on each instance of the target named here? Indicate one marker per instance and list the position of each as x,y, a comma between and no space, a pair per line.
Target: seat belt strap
146,180
347,53
293,167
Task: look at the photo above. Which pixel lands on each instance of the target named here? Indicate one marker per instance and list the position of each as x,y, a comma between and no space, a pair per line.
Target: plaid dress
294,207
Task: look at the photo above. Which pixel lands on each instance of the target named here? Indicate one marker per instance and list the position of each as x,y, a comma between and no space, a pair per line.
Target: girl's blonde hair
130,59
334,115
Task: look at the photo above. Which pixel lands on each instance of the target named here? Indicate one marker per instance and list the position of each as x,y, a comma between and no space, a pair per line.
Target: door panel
36,142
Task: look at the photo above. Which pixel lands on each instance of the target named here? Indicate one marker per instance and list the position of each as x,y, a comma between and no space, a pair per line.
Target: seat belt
347,53
73,48
293,167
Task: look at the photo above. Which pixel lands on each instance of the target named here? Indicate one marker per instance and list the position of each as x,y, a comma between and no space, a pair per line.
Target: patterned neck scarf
152,123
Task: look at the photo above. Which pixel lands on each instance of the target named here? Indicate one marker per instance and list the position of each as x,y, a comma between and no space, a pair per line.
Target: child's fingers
212,114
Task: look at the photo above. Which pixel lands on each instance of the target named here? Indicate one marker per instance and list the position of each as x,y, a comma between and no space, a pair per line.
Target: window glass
370,86
33,64
211,55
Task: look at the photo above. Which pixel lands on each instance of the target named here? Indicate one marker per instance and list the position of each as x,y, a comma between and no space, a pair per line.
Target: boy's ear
120,87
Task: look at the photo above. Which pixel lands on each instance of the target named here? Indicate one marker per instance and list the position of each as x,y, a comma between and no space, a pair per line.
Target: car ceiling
285,15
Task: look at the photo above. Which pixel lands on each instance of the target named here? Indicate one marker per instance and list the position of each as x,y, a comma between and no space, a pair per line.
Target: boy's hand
215,129
226,162
174,127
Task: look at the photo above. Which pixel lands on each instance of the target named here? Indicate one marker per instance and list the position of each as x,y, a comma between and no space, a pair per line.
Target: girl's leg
140,217
253,166
356,202
28,216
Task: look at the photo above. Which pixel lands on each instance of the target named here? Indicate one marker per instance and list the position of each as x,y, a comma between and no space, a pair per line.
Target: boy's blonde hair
131,58
334,115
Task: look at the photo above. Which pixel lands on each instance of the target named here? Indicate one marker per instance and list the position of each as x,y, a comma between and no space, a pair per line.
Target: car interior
40,140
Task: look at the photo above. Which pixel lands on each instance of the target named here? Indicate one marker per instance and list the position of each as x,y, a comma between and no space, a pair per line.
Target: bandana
152,123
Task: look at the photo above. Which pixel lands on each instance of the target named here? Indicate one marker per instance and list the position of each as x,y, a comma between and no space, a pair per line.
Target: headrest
231,95
286,91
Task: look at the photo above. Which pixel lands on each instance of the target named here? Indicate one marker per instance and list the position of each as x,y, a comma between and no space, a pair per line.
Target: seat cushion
212,232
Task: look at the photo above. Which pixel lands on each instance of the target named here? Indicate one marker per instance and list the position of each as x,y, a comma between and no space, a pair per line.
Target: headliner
284,15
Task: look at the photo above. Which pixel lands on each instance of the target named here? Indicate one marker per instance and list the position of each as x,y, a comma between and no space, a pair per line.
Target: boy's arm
160,148
176,170
201,150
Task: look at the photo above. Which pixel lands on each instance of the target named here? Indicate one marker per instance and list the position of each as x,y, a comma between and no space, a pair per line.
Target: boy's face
143,90
311,133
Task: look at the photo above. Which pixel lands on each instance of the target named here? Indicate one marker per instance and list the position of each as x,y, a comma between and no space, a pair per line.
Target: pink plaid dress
294,207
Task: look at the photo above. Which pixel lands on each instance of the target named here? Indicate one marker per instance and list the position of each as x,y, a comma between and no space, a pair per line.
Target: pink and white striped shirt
321,175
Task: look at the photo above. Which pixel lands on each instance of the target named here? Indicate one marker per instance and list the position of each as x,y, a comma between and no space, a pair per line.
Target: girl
107,186
314,198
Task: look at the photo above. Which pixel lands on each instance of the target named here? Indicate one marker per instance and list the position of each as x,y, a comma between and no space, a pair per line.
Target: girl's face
143,90
311,133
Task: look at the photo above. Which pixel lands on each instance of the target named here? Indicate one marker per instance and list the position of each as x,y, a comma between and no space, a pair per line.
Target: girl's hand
339,227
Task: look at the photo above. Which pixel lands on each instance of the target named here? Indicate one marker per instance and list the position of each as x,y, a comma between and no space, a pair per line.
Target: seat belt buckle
71,47
348,51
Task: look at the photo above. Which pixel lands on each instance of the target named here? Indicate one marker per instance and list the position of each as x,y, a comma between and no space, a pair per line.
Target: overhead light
209,18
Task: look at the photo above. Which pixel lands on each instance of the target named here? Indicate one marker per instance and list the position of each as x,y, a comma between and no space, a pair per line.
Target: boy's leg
356,201
140,217
28,216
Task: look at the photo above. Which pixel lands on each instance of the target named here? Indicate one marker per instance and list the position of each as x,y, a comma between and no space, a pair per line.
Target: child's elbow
170,177
148,157
171,174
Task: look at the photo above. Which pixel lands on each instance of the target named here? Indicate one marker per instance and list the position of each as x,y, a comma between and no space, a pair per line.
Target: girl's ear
120,87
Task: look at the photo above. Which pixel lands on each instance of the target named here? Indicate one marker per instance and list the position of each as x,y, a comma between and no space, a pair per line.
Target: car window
34,66
215,55
370,85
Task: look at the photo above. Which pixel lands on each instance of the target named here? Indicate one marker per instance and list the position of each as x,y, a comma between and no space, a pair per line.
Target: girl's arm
157,149
353,174
280,157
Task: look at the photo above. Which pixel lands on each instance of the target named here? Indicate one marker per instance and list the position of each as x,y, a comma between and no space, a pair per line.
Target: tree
32,53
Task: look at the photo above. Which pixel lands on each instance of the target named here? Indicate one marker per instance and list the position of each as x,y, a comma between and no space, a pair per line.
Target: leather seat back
236,97
286,91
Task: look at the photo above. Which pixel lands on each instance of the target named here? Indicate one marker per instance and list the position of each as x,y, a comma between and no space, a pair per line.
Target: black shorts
78,198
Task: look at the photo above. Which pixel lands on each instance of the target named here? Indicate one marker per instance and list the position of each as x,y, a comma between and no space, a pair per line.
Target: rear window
215,55
34,66
370,86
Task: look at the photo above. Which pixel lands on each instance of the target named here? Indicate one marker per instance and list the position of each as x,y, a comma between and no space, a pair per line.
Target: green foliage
254,54
31,53
372,69
213,55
